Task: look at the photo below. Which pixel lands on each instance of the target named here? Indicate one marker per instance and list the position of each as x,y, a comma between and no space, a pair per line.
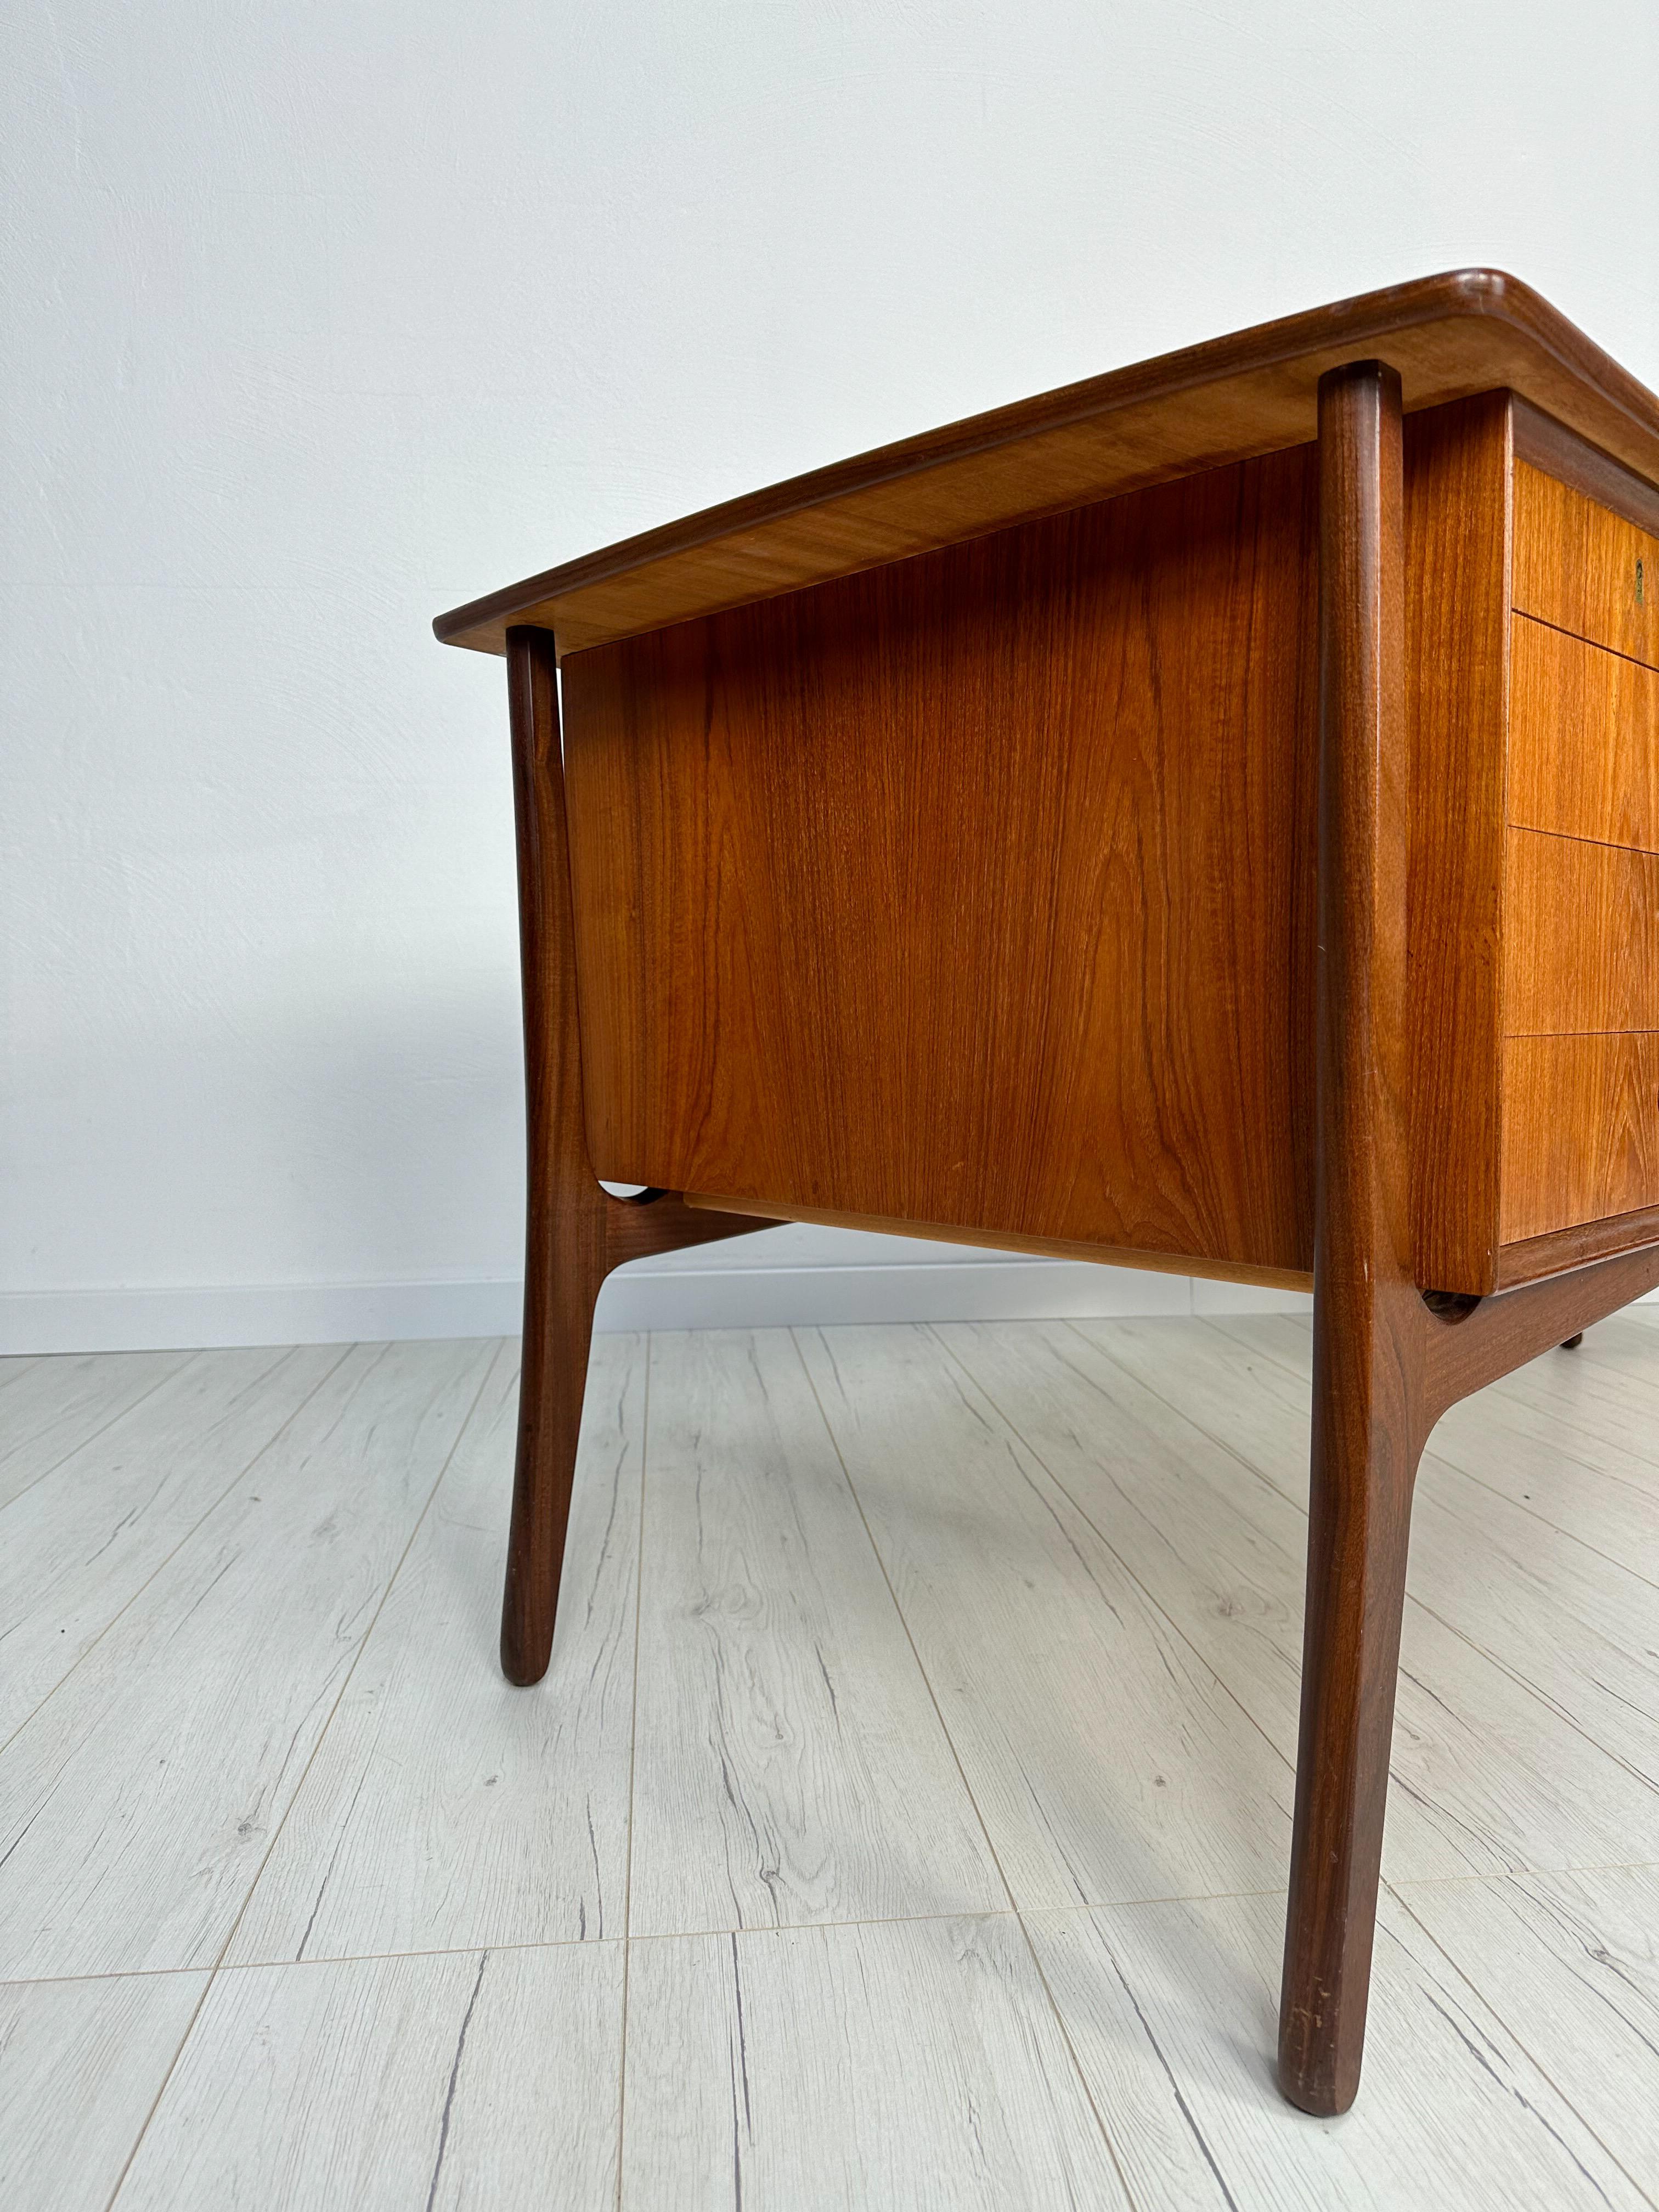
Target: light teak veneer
1205,818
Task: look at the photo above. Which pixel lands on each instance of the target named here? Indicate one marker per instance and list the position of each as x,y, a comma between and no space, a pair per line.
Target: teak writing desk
1205,818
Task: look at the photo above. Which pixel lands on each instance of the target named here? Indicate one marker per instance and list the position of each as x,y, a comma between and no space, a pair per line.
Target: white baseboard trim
652,1294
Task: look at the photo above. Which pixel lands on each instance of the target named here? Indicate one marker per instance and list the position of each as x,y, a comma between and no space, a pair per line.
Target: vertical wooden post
1370,1323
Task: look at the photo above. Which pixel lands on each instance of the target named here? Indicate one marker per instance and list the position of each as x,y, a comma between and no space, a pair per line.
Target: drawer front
1581,936
1584,568
1584,740
1581,1130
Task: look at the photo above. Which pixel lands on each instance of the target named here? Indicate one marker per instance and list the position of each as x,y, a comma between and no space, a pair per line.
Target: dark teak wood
575,1232
1207,818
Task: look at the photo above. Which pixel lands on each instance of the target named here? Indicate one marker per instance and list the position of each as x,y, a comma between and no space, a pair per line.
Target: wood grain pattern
1459,2107
790,1767
1581,941
1457,620
1466,331
81,2065
1584,744
479,2078
1576,564
1572,1956
151,1475
152,1781
794,831
1048,1658
443,1809
1581,1130
914,2064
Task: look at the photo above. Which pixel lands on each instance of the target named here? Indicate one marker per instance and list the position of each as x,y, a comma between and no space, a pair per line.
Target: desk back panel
977,890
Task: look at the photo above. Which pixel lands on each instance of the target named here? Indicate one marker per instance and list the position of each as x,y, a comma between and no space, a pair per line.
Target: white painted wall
324,315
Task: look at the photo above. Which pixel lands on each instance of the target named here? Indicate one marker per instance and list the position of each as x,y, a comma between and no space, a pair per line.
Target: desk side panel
977,890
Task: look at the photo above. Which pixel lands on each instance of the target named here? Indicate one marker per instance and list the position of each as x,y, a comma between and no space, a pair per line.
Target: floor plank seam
362,1645
1181,1414
996,1861
933,1695
1521,1874
1535,1690
1566,1536
218,1967
1082,1511
93,1435
1525,2048
633,1759
160,2092
1531,1689
269,1445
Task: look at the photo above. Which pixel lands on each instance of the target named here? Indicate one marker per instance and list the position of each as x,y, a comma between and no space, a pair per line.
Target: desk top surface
1471,329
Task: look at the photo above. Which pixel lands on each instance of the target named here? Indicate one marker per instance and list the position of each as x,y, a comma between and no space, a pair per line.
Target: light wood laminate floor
903,1822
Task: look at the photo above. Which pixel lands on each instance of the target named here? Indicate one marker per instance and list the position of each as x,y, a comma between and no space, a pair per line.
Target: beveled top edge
1509,309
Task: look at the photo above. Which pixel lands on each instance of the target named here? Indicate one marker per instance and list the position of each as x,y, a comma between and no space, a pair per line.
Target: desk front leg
1369,1319
575,1233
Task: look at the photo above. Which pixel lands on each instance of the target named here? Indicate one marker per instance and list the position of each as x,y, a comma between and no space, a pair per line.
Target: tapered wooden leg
1370,1324
565,1228
574,1232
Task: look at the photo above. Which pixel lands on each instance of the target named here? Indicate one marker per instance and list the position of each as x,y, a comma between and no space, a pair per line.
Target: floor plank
790,1764
137,1805
487,2078
75,1546
1106,1758
58,1403
1571,1964
81,2065
1095,1532
446,1809
912,2063
1145,1422
1171,2010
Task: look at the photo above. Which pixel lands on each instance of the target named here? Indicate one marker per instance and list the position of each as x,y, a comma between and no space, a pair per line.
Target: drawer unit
1578,1065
